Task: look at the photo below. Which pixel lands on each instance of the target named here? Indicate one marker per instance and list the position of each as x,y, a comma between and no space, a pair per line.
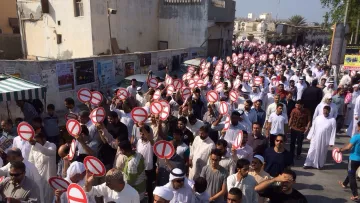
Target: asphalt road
322,185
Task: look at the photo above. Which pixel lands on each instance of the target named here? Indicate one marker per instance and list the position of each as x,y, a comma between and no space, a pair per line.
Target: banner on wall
84,72
162,63
129,68
65,76
145,63
49,79
352,62
106,72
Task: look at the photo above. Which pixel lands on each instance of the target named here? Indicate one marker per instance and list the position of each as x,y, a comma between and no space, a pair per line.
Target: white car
141,82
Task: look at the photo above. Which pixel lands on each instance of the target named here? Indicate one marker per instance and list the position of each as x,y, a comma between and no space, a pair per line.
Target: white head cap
75,168
164,193
261,159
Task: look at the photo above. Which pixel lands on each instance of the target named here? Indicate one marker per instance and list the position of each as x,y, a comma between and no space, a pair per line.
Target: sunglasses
15,174
179,180
280,141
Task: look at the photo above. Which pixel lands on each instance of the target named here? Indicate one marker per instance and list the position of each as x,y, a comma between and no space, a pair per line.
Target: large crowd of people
272,95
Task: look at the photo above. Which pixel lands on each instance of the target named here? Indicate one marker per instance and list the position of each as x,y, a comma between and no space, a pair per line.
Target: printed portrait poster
65,75
106,72
129,68
145,63
84,72
162,63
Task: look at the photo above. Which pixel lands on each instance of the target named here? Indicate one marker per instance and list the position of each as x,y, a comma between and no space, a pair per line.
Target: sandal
341,184
354,198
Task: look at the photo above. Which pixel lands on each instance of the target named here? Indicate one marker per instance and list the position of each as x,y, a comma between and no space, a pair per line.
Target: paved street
321,185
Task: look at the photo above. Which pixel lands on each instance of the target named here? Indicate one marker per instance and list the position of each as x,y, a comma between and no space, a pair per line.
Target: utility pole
337,72
357,30
108,11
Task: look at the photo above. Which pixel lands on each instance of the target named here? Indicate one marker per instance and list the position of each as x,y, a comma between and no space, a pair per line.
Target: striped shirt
134,173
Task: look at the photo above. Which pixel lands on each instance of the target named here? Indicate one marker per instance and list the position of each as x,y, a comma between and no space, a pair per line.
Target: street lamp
110,12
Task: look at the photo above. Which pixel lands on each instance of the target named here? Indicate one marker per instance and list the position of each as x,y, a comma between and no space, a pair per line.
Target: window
163,45
16,30
58,38
78,8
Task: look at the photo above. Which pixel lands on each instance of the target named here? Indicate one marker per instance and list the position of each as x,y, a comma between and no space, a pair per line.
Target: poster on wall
162,63
129,68
145,63
35,78
119,69
84,72
106,72
11,71
184,57
49,79
65,76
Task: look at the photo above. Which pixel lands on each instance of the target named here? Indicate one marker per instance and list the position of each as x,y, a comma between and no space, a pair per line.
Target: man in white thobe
350,109
200,152
23,145
301,86
75,174
351,105
257,93
321,135
352,127
237,123
113,190
43,156
179,185
327,101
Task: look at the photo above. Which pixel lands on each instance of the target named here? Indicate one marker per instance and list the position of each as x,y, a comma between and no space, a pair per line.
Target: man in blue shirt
354,163
260,113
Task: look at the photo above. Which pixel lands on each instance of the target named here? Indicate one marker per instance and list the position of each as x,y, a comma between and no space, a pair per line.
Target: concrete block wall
44,73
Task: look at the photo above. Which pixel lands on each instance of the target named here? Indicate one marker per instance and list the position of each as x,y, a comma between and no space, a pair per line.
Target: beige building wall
183,26
41,34
7,10
135,25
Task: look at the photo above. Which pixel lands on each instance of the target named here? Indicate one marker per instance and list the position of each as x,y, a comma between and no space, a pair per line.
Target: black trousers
339,122
354,165
150,177
346,181
297,137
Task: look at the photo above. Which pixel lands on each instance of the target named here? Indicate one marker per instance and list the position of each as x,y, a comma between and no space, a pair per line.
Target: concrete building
55,29
265,16
302,34
10,47
281,33
8,17
253,30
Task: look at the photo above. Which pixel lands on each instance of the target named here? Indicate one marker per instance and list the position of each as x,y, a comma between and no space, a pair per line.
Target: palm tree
297,20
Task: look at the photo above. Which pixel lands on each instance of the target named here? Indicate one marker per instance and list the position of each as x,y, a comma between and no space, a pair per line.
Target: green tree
337,12
297,20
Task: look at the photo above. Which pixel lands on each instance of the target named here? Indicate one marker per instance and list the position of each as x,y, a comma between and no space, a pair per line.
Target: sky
310,9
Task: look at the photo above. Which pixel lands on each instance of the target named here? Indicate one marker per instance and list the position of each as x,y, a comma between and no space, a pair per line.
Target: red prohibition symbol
164,149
